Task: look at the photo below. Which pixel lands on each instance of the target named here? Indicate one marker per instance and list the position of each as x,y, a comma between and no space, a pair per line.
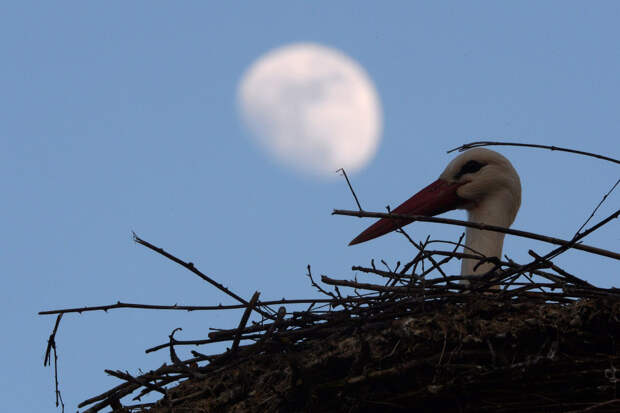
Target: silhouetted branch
190,266
350,187
598,206
188,308
244,320
471,145
51,346
486,227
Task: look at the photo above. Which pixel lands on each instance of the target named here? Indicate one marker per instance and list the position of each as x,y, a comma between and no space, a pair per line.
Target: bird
482,182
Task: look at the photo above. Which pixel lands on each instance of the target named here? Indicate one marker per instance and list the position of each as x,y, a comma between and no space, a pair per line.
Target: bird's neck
487,243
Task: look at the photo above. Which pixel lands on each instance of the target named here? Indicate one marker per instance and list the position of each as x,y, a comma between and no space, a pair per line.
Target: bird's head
477,180
481,176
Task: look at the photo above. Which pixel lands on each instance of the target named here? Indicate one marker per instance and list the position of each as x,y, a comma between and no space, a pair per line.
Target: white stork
479,180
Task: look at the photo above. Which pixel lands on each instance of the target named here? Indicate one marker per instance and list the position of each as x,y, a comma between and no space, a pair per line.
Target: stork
481,181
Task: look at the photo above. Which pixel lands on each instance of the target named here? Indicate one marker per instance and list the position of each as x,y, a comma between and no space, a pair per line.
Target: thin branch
129,378
541,261
318,287
190,266
173,355
188,308
486,227
350,187
244,320
471,145
51,346
598,206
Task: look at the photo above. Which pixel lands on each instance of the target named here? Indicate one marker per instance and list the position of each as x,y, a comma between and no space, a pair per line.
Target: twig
597,207
486,227
541,261
350,187
471,145
318,287
190,266
173,355
243,321
51,346
188,308
128,377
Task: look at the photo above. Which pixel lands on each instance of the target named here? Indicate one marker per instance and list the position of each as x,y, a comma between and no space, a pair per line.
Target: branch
190,266
188,308
597,207
51,346
516,232
244,320
471,145
350,187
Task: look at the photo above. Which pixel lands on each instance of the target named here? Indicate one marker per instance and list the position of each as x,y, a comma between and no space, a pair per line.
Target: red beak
435,199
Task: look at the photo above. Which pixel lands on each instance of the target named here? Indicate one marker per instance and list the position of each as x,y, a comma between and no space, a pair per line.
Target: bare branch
598,206
190,266
244,320
350,187
471,145
510,231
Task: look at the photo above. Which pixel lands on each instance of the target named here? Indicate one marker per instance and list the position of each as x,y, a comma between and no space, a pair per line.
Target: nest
480,355
520,338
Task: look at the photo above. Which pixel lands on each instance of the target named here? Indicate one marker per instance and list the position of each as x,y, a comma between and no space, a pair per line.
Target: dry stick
597,207
190,266
51,345
129,378
563,248
279,322
486,227
188,308
243,321
127,388
511,264
382,273
350,187
560,271
581,235
103,396
51,342
318,287
384,288
162,382
273,326
195,342
421,248
173,355
467,146
177,362
447,259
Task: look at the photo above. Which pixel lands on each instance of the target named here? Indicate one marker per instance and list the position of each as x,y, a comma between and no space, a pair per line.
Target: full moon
312,107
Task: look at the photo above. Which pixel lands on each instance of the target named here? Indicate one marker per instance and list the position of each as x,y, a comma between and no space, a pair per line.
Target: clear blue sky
121,116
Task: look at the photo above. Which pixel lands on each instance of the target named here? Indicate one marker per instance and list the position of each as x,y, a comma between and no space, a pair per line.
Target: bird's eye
469,167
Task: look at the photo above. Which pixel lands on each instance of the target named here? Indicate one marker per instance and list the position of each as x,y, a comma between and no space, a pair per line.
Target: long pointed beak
435,199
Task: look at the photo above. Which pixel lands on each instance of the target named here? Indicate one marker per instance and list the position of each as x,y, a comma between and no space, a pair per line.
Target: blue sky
121,116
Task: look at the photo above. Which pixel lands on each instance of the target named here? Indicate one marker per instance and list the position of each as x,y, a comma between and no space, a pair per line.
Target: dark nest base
478,356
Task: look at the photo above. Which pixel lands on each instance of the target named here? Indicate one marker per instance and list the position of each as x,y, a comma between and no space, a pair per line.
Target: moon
312,108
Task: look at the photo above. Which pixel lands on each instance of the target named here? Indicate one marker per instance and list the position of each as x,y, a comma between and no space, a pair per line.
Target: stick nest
479,355
518,338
